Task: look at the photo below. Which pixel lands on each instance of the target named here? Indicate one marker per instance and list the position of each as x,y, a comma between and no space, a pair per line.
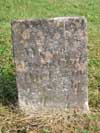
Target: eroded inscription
51,62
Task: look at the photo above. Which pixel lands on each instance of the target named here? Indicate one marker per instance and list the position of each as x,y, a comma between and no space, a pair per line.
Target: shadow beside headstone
8,91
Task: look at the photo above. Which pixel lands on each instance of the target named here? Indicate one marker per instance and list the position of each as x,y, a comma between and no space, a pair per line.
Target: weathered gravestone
51,63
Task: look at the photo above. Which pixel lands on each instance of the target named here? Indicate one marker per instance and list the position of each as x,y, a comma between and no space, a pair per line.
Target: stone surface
51,63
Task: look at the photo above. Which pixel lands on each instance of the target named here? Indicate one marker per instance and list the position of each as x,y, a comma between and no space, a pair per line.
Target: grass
21,9
55,121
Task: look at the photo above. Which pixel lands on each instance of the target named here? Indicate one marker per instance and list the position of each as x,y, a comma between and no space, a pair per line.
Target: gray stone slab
51,63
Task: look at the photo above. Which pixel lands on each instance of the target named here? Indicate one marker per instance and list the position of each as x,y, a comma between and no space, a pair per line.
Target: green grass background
22,9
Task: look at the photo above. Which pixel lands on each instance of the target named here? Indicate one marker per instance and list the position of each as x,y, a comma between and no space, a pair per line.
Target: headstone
51,63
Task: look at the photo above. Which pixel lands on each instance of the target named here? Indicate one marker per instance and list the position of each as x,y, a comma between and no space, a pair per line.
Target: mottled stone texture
51,63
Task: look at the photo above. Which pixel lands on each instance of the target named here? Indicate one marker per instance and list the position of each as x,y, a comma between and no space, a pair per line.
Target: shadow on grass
8,91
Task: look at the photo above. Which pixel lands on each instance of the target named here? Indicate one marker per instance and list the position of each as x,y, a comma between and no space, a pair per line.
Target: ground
49,121
19,9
